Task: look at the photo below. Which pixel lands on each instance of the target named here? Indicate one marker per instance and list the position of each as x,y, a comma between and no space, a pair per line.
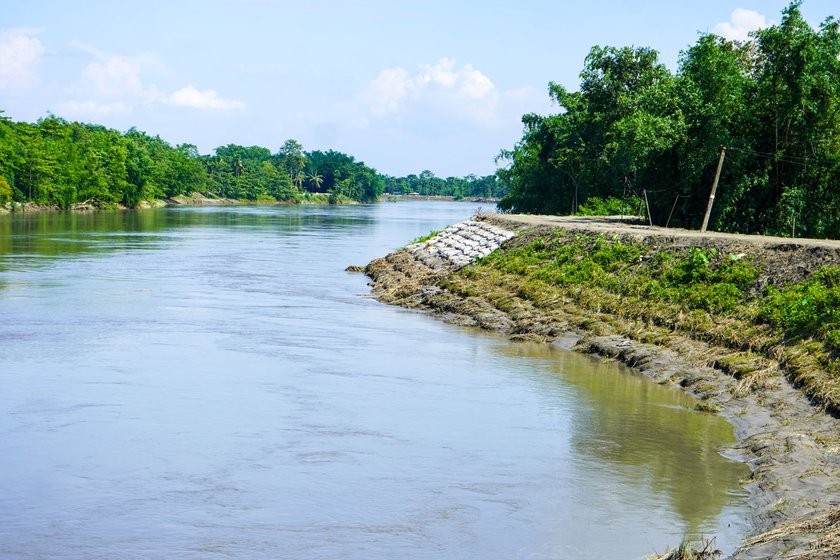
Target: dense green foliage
811,308
341,175
610,206
773,101
56,162
428,184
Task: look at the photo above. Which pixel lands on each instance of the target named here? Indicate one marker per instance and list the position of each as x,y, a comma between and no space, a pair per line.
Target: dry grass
826,529
704,550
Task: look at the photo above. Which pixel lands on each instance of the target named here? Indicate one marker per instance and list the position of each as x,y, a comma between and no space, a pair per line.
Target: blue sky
402,85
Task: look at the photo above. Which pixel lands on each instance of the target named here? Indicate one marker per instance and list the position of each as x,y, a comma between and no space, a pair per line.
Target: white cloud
20,54
114,80
114,76
442,87
741,23
83,109
113,83
385,93
207,99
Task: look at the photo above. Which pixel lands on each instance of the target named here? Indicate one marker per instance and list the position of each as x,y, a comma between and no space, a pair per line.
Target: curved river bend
210,383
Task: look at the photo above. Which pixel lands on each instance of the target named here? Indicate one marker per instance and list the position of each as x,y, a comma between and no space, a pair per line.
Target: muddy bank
194,199
791,445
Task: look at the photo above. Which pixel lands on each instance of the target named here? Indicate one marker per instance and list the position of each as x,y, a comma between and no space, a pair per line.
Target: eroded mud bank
791,445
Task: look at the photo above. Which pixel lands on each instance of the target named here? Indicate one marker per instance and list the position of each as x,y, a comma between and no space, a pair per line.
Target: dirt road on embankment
771,389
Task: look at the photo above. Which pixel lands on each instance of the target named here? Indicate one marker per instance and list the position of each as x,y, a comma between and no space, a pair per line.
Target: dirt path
628,226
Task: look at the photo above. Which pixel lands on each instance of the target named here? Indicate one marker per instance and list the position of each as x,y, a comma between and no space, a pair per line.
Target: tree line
61,163
636,129
426,183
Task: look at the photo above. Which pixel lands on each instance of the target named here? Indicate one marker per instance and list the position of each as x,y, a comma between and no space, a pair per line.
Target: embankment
710,313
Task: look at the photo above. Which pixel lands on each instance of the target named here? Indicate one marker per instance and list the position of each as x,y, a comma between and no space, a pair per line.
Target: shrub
811,308
610,206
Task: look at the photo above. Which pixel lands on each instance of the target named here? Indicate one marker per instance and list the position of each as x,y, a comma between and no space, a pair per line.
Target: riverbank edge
195,199
790,445
389,197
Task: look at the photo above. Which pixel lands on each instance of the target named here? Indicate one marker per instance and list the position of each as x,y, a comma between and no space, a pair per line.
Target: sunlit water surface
210,383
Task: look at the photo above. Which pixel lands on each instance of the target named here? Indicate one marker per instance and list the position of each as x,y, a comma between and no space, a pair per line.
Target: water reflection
642,431
69,234
213,377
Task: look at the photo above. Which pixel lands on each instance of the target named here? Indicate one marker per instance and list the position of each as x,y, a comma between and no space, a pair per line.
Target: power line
802,161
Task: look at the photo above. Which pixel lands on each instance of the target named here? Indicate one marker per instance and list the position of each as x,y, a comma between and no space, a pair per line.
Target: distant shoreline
197,199
386,197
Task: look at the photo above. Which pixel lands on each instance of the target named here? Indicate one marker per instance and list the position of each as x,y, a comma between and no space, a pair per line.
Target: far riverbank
398,197
194,199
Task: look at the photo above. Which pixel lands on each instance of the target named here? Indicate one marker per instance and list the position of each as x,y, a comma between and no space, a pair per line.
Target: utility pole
714,190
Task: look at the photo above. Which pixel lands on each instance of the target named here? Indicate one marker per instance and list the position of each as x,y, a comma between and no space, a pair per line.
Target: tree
292,158
316,181
773,101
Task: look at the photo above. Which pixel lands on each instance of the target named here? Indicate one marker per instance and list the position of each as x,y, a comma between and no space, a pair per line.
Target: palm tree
316,181
299,179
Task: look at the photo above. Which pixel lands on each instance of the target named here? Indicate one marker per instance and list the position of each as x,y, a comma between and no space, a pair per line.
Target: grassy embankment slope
765,300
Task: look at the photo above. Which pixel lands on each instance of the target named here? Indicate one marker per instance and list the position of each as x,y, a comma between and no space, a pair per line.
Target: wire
803,161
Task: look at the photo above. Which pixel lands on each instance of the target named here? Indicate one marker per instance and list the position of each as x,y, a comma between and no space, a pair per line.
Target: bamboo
714,190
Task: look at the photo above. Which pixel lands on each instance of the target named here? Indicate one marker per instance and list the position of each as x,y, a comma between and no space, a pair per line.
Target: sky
402,85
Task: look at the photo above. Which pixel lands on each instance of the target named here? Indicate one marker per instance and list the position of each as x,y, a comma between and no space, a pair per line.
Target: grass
826,526
704,550
707,406
424,238
696,291
697,280
808,309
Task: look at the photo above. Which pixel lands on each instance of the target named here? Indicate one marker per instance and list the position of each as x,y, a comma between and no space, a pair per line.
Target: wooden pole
674,207
714,189
647,206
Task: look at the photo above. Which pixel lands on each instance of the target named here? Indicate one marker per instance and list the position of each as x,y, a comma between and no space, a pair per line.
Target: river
209,383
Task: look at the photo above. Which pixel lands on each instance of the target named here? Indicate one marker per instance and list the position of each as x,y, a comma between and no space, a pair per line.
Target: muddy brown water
210,383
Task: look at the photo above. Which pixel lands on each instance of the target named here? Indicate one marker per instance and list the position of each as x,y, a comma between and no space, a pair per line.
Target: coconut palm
316,181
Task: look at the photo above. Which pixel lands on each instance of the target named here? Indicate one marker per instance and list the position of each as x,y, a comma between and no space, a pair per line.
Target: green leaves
61,163
773,101
811,308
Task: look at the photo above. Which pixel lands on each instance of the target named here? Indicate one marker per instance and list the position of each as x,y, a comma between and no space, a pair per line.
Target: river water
209,383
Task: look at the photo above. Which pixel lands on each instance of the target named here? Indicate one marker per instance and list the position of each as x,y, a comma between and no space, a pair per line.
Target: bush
811,308
610,206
